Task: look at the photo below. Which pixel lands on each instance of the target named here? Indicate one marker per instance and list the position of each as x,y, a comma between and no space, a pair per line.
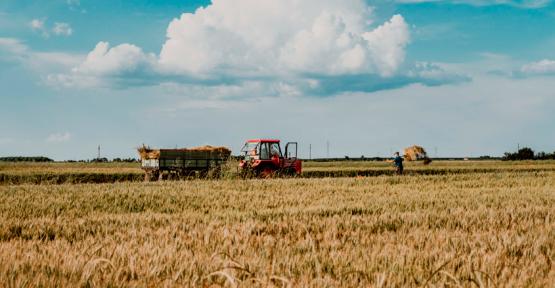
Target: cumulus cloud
123,58
543,67
272,37
295,45
329,48
58,137
105,62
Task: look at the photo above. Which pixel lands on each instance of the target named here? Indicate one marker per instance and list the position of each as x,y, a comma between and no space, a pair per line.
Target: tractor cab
264,157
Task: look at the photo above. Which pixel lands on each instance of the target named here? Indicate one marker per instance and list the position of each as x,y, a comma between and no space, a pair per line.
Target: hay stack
147,153
218,149
415,153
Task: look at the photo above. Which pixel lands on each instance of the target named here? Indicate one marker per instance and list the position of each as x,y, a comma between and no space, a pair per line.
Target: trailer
160,164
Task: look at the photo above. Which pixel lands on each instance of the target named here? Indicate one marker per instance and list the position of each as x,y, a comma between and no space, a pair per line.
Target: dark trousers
399,170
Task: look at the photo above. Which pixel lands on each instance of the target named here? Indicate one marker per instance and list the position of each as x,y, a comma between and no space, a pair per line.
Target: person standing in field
398,163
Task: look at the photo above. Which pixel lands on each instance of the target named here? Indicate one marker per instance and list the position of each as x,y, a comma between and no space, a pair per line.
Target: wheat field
459,230
78,173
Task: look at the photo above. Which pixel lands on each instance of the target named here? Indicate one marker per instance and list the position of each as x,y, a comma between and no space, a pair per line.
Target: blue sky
463,78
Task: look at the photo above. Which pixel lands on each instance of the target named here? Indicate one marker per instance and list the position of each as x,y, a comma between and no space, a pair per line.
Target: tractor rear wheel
291,172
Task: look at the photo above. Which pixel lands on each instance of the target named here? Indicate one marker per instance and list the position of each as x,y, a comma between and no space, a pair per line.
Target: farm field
23,168
436,165
14,168
483,229
59,173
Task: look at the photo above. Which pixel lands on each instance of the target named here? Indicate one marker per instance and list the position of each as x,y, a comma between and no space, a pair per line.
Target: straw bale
415,153
147,153
216,149
196,152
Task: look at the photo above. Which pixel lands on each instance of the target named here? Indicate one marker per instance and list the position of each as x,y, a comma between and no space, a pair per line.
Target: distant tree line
46,159
26,159
528,154
125,160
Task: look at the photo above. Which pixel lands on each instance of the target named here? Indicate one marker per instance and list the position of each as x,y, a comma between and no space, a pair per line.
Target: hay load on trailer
168,163
415,153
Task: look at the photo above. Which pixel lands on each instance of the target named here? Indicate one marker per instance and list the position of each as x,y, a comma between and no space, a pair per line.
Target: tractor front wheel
266,172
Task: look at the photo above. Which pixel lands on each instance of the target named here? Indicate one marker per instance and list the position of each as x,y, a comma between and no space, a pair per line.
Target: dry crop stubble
457,230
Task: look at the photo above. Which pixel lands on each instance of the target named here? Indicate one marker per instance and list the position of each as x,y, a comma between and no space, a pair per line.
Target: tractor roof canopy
263,140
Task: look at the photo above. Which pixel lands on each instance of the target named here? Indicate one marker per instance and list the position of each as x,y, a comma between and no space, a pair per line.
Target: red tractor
263,158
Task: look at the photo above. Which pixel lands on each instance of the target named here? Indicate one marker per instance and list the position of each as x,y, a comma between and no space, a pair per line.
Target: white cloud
75,5
543,67
12,46
238,91
62,29
14,50
526,4
105,65
58,137
123,58
287,42
38,25
310,47
59,28
388,43
437,73
278,37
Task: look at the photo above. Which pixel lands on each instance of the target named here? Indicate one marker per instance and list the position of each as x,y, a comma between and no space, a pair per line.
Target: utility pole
98,157
309,151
